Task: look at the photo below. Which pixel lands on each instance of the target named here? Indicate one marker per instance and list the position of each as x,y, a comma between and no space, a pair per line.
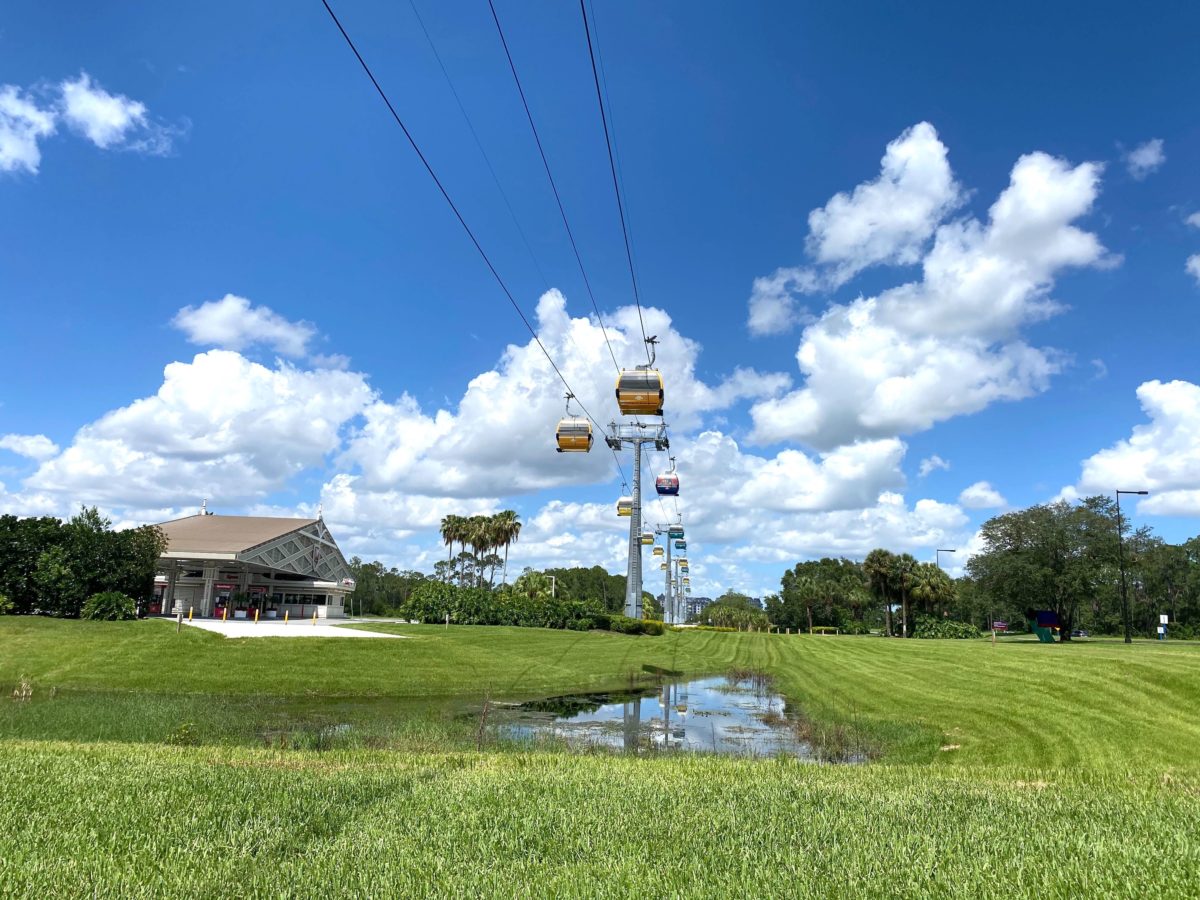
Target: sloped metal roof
226,534
295,546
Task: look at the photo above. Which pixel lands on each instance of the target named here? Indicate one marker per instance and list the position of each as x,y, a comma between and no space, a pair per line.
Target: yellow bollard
314,618
190,609
285,617
256,617
224,612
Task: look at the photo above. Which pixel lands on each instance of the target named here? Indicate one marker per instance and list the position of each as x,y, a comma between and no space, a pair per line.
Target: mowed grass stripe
115,820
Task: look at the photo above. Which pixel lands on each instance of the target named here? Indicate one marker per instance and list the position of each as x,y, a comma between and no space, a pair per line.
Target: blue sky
190,156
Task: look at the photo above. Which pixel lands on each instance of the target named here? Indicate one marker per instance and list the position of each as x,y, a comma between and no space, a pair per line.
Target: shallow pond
724,715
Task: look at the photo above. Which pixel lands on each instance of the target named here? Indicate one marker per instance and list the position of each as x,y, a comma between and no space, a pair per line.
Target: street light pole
1121,563
938,556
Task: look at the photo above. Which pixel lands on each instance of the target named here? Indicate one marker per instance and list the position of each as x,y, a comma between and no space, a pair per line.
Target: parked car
1079,632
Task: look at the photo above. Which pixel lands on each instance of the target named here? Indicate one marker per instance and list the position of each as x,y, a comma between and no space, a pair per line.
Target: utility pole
635,435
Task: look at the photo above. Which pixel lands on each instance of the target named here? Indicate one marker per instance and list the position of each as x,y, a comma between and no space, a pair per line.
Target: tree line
1061,556
52,567
1066,557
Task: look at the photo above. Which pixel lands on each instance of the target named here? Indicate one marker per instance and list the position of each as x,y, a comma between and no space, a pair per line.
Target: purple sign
999,626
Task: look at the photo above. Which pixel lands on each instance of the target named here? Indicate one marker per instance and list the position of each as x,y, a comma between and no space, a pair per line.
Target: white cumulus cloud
931,464
1161,456
499,439
889,219
33,446
22,124
950,343
981,495
1145,158
232,323
773,305
110,121
220,426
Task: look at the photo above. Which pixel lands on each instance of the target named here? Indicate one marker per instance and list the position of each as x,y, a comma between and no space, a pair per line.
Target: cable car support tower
673,613
635,436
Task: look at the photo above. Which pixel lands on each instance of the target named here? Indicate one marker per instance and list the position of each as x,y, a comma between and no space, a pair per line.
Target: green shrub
433,601
109,606
855,627
626,625
928,627
6,606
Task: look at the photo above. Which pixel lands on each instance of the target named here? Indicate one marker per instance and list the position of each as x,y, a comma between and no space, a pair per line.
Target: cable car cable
613,123
613,167
462,221
479,143
553,186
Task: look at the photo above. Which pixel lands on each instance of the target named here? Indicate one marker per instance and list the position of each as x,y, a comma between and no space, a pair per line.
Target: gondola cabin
647,538
658,551
640,392
667,484
625,506
574,434
681,545
662,565
675,532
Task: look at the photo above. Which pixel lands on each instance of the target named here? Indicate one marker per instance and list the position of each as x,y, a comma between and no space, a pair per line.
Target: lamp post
938,556
1121,562
553,584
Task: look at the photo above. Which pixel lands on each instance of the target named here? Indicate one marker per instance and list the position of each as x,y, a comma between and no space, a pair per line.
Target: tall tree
904,568
878,568
932,589
1056,556
508,530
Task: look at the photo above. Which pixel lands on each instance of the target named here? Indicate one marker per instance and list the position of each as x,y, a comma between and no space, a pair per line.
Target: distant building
233,565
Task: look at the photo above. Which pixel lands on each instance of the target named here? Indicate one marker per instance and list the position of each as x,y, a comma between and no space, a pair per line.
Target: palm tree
508,529
904,568
878,569
932,588
450,528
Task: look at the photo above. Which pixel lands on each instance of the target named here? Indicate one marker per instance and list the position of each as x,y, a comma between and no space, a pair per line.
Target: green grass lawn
1098,704
1014,769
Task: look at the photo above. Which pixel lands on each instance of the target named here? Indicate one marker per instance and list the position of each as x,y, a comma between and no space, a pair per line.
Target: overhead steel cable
512,66
614,165
478,143
613,168
462,221
612,119
553,186
487,160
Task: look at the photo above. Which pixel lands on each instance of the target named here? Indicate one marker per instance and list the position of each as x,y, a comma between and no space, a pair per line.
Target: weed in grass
183,736
23,691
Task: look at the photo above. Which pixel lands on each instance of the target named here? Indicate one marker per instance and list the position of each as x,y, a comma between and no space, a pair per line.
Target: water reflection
715,715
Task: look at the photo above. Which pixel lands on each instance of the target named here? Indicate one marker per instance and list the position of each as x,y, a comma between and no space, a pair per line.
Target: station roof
294,546
226,534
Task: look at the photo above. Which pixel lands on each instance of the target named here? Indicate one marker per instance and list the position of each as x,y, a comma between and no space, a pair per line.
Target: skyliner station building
232,566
